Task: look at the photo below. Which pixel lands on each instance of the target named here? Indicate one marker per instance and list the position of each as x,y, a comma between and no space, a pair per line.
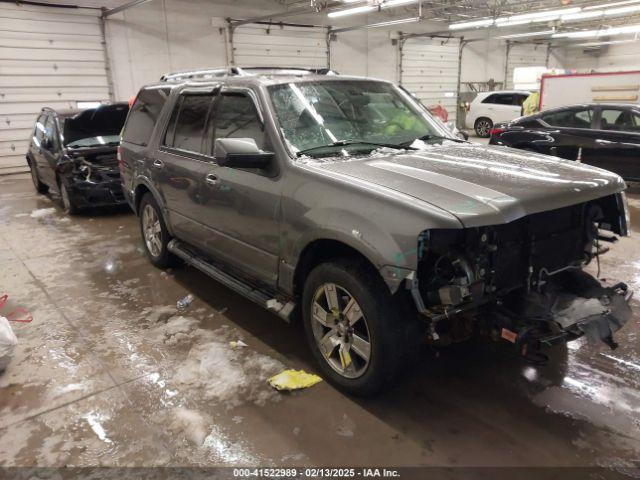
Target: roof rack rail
208,73
201,74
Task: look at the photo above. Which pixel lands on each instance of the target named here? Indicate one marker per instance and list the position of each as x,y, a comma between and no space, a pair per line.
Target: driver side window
236,117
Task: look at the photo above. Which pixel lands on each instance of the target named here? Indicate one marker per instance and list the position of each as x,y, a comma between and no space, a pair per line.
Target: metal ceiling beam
287,13
121,8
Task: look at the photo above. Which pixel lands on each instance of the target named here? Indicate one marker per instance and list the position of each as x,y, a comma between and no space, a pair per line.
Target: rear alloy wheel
483,127
154,233
39,186
69,207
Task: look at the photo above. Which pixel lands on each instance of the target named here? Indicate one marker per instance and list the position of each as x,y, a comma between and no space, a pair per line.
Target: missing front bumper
573,305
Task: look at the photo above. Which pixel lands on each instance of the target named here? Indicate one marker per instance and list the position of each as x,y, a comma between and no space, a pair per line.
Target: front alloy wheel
340,330
355,328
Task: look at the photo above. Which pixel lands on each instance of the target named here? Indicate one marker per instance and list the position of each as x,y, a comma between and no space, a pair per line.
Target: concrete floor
109,373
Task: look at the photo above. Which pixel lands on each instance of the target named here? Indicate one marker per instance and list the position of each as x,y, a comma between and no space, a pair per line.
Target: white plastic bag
8,342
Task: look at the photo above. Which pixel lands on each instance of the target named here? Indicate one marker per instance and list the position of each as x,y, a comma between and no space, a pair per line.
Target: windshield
95,127
343,117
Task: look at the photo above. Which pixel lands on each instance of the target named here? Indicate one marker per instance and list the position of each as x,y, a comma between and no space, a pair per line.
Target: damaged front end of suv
87,168
524,281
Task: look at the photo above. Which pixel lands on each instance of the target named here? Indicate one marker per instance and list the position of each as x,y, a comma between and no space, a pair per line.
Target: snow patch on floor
192,424
42,212
221,373
178,330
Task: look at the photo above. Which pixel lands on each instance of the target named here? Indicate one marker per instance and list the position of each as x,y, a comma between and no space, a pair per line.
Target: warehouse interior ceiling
424,16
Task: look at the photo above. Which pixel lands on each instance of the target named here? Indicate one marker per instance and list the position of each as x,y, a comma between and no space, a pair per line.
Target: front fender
394,257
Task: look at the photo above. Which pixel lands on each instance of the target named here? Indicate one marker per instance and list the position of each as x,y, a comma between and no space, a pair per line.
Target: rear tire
483,126
35,178
155,236
353,326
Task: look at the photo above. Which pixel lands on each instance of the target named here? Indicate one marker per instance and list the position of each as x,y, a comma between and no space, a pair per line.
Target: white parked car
489,108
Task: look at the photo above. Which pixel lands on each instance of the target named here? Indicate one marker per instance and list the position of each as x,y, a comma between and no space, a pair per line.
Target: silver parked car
341,201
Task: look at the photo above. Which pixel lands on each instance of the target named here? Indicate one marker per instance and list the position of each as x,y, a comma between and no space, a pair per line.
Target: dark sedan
602,135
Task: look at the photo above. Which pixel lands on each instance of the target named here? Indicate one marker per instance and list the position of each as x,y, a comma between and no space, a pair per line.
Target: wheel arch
325,248
143,186
481,117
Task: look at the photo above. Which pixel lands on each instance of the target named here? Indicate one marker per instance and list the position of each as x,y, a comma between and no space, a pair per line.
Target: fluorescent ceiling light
369,8
352,11
614,4
487,22
605,32
529,34
582,15
597,44
563,14
393,22
395,3
622,10
539,16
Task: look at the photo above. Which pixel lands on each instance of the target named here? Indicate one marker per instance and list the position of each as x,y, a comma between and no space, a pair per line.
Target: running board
282,309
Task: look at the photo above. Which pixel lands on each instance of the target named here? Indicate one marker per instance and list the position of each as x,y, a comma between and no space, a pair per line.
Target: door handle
159,164
603,142
212,180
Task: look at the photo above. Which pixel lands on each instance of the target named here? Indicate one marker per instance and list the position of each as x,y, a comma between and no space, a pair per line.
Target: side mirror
240,153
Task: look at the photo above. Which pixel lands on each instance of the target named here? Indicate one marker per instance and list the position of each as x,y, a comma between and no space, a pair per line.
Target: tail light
496,131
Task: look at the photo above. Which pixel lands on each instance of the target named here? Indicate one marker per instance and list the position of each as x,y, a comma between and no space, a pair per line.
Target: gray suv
341,201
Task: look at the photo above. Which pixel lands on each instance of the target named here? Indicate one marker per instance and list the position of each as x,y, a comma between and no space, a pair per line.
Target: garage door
430,71
48,57
264,45
525,56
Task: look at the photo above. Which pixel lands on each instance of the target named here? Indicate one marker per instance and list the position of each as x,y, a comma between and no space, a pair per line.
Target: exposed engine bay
524,281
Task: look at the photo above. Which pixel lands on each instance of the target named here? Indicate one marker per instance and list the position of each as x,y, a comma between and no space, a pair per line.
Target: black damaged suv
74,154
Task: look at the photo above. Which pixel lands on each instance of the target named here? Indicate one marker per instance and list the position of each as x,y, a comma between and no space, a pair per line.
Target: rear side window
144,115
186,128
570,118
620,119
500,99
519,99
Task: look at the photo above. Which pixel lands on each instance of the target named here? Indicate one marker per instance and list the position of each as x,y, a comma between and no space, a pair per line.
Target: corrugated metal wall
48,57
526,55
430,71
258,45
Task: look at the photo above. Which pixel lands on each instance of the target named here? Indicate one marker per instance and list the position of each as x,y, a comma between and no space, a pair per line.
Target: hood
482,185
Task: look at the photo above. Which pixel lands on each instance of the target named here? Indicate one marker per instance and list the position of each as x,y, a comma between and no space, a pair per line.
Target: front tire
483,126
35,178
155,235
352,326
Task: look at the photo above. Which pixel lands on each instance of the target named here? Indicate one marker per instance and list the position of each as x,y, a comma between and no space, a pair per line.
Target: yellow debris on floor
293,380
